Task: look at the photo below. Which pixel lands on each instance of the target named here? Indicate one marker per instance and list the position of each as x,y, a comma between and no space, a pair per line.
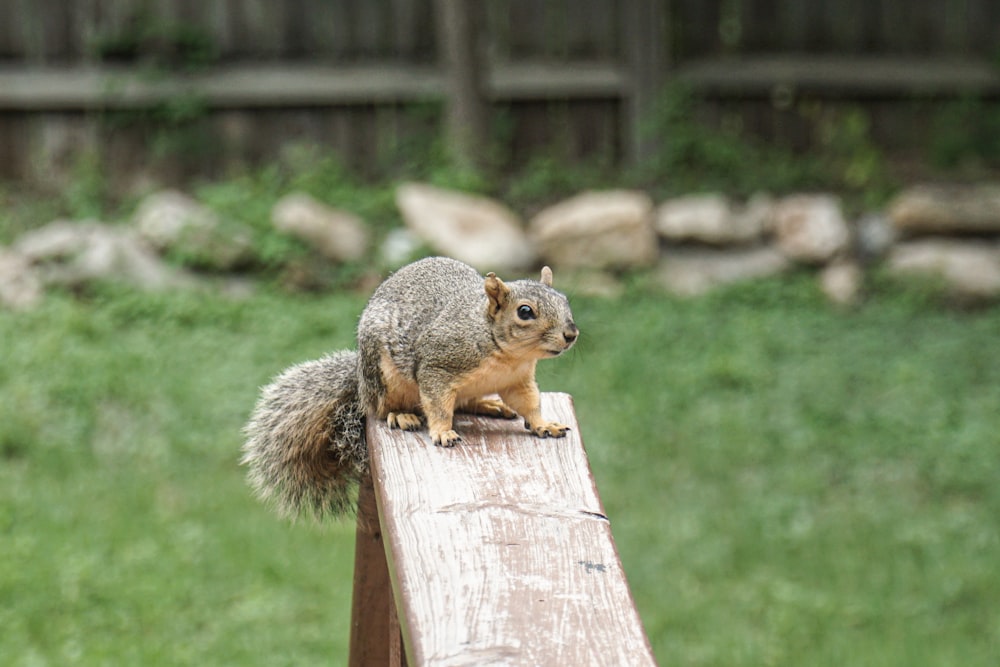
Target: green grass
788,484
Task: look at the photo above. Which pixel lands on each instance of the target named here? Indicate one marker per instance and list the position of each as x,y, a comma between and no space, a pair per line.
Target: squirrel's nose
570,334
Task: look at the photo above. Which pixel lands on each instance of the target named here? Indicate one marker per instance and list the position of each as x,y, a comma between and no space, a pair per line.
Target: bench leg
375,633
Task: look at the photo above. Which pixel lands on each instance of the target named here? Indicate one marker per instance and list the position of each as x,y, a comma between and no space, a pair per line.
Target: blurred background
172,89
785,265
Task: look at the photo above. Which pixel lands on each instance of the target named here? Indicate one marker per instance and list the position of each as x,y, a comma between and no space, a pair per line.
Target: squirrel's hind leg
487,407
406,421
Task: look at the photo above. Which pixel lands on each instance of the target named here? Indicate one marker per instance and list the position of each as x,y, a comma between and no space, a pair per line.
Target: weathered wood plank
275,85
646,34
373,630
836,75
499,549
461,47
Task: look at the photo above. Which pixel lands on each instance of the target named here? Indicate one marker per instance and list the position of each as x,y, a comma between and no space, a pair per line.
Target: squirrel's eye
526,312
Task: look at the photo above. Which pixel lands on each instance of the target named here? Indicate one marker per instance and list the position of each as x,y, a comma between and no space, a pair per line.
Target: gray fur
432,317
305,446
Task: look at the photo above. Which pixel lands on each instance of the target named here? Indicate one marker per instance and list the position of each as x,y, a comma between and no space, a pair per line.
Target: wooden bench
495,552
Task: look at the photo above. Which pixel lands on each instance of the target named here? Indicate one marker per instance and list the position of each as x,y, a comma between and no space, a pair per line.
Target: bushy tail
305,442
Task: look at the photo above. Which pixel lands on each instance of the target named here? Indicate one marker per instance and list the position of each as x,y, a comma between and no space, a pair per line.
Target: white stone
692,272
172,221
20,285
875,235
969,268
841,282
947,209
597,230
477,230
811,228
76,252
709,218
335,234
400,247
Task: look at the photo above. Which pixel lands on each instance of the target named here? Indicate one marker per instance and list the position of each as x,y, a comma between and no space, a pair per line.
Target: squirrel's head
530,317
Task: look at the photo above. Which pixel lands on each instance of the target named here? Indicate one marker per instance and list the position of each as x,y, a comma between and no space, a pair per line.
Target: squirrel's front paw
548,430
405,421
446,438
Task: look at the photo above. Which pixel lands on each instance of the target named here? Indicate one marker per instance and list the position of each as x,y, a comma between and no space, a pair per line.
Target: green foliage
250,197
20,213
966,133
157,48
849,156
155,42
694,155
788,484
544,178
87,195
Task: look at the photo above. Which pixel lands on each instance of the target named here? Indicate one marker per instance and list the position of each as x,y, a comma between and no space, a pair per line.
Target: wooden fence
175,87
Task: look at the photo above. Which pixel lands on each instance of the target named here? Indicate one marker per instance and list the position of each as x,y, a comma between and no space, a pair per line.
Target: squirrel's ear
546,276
497,293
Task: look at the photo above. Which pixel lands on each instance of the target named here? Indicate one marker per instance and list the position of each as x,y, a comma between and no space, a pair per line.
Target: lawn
788,484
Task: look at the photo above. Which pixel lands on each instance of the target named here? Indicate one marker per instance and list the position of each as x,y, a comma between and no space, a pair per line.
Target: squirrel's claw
548,430
446,438
405,421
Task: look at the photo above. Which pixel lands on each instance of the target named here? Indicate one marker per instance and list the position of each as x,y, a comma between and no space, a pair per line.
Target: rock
841,282
336,235
694,217
968,268
875,235
757,214
711,219
810,228
947,209
597,230
692,272
584,282
75,253
174,223
399,247
20,284
476,230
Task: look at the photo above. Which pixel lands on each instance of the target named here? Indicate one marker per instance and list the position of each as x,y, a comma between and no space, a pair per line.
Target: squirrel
435,338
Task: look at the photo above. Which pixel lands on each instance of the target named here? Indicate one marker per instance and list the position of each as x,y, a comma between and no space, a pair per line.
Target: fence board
983,28
53,31
852,77
593,33
695,28
413,31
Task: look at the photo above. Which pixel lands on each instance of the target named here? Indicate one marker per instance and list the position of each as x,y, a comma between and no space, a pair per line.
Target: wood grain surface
499,549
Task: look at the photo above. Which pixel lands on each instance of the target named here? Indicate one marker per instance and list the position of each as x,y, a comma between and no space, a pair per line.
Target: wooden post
460,25
499,549
375,637
645,34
